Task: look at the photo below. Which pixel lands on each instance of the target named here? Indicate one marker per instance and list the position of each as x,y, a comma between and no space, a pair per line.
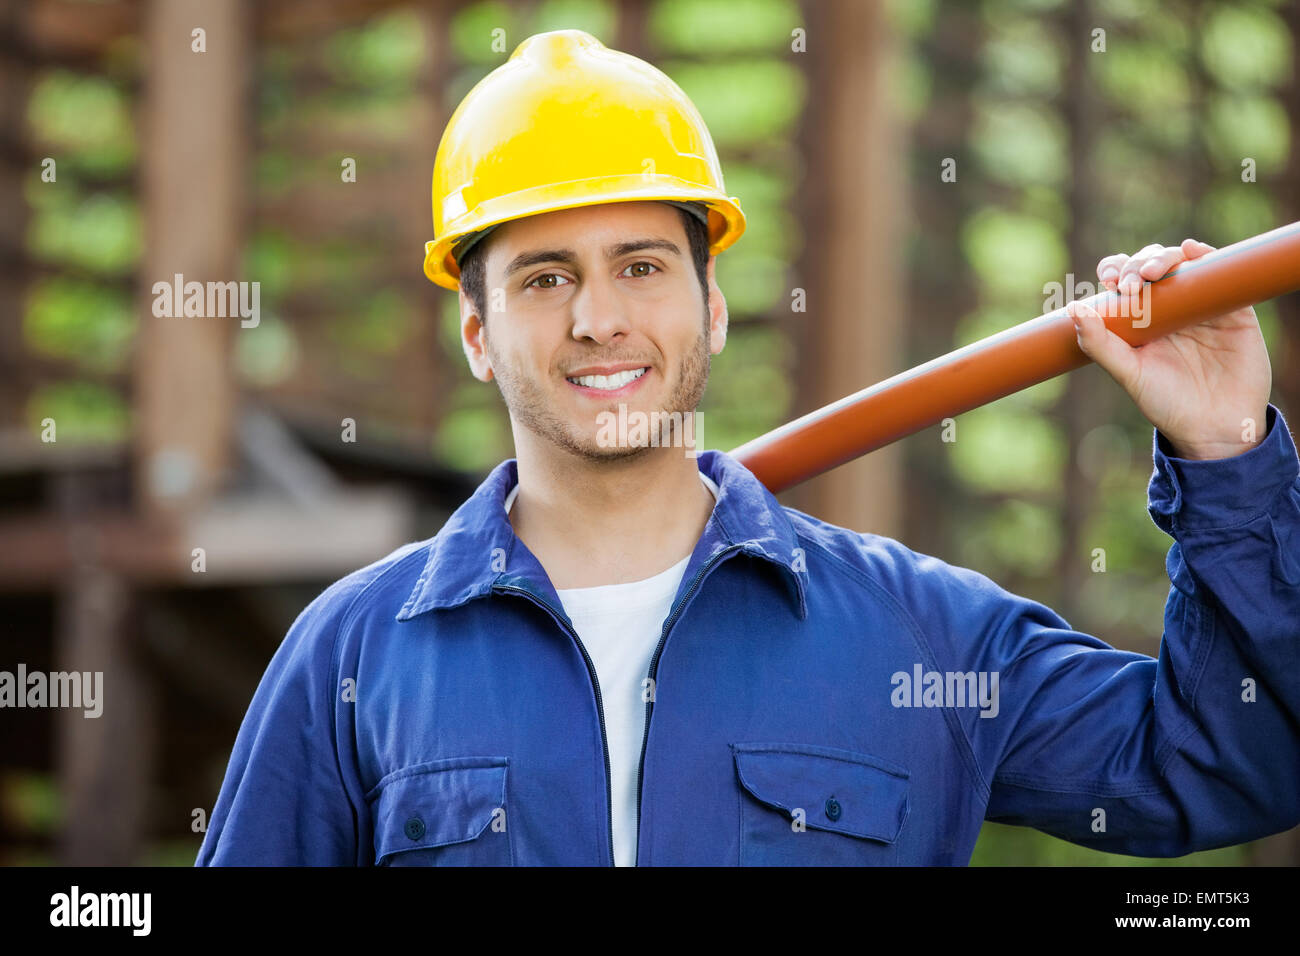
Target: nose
597,310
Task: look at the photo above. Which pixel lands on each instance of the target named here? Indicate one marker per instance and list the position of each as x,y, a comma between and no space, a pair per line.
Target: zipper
654,669
600,707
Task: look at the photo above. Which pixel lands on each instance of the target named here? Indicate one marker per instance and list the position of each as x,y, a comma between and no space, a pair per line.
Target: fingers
1125,274
1194,248
1140,267
1103,346
1108,269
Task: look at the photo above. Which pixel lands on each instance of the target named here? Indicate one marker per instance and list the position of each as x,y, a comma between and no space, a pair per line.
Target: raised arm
1199,748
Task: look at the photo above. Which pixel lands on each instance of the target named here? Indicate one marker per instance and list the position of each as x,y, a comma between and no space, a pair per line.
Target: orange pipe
1224,280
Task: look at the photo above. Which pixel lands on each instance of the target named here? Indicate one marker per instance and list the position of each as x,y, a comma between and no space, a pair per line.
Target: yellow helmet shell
566,122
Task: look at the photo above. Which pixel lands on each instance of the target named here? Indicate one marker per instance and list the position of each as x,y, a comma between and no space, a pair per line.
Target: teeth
617,380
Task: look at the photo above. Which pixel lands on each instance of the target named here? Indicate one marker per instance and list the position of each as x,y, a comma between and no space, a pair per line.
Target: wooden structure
98,563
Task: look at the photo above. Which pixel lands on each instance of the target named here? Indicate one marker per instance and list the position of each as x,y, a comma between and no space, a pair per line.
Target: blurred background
346,423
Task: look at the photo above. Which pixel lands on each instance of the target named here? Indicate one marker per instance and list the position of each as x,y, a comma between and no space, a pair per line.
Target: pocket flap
837,790
438,803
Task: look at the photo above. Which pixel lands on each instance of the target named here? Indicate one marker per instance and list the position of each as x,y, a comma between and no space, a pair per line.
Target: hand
1198,385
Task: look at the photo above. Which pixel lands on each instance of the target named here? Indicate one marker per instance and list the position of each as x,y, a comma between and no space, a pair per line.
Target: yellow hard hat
567,122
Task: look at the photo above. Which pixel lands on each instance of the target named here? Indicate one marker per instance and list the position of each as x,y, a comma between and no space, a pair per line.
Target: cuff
1187,495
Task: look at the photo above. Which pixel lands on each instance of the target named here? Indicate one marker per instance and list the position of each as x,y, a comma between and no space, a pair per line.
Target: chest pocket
448,812
804,805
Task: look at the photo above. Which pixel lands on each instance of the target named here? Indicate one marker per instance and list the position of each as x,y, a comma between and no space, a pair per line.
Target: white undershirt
620,626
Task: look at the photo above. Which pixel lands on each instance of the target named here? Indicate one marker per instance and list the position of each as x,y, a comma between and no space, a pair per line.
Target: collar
477,549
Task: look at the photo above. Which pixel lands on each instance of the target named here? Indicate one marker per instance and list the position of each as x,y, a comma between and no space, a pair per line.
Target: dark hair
473,277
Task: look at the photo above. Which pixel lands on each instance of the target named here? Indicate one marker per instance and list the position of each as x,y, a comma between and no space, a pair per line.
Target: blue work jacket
819,696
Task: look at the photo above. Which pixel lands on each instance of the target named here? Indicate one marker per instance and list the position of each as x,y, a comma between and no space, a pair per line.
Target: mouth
614,383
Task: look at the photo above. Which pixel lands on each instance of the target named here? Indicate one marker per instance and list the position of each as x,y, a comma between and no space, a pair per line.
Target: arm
284,800
1177,752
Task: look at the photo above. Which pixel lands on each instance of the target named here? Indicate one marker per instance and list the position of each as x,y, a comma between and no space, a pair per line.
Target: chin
592,450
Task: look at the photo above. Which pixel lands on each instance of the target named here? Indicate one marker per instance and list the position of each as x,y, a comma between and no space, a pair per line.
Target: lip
606,393
605,369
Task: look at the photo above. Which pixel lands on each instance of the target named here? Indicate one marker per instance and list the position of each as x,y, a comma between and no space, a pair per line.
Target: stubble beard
527,403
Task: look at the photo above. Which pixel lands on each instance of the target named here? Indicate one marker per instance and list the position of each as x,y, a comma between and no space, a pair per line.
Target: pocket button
833,809
415,828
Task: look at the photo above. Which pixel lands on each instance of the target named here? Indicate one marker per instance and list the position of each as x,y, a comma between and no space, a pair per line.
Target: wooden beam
260,540
105,762
196,177
851,335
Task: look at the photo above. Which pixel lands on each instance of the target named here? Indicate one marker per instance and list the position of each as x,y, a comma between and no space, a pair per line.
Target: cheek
529,355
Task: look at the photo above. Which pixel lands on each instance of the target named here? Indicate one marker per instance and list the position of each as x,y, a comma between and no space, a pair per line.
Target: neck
597,523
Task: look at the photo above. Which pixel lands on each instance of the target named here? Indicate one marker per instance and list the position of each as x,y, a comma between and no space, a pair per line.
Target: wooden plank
261,540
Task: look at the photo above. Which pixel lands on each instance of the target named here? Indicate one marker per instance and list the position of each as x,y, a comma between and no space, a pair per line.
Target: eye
642,275
547,275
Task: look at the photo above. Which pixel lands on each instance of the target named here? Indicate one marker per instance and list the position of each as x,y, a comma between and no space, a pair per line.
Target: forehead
586,226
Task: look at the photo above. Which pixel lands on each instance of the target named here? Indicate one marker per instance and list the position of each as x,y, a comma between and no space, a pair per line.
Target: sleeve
284,800
1196,749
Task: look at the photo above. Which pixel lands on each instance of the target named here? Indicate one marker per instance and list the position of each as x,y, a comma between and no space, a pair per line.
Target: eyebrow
569,257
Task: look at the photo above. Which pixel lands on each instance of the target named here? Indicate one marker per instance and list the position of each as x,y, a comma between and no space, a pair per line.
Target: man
617,652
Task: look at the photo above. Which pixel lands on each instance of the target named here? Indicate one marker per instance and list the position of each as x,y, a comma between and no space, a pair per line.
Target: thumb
1102,345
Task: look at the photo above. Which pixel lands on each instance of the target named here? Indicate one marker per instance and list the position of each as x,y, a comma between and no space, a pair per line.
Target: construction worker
621,650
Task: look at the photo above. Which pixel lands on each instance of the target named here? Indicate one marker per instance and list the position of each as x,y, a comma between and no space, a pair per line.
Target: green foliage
379,326
1000,449
1236,210
97,232
86,116
1142,79
596,17
912,19
383,53
1238,125
78,320
267,354
82,411
1019,537
1001,845
742,101
475,438
474,34
31,802
1246,47
911,84
1021,57
749,386
718,28
1013,254
1020,144
753,273
753,283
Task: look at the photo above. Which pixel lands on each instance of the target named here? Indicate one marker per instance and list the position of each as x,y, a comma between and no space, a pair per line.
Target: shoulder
375,592
898,574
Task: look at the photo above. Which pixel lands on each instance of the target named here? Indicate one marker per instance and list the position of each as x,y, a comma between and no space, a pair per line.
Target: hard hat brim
726,220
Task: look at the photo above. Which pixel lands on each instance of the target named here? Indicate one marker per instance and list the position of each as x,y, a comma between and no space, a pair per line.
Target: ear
717,311
473,339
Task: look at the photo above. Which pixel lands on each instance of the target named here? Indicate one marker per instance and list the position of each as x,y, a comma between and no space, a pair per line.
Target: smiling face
589,309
